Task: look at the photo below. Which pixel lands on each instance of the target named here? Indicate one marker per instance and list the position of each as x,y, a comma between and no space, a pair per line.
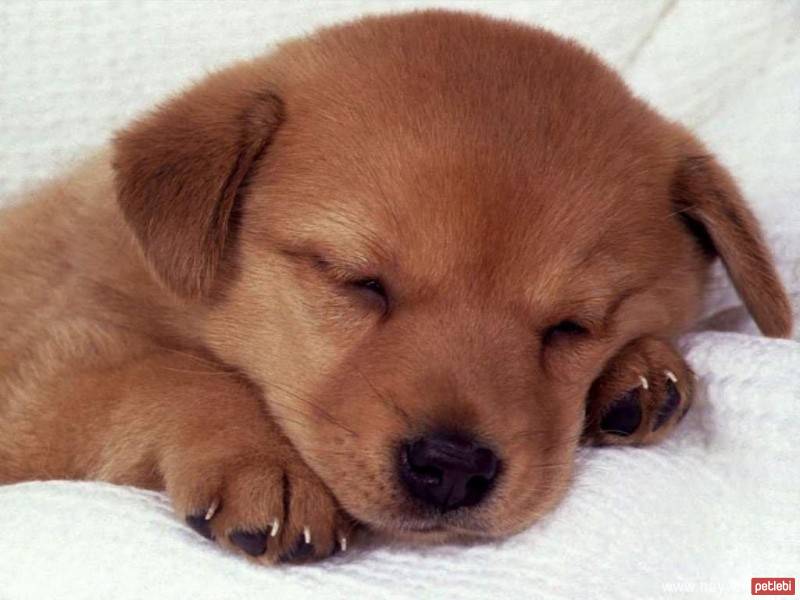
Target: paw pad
253,543
624,416
200,524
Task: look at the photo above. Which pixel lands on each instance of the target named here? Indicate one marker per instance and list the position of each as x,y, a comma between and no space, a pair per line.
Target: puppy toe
301,550
672,401
641,395
267,508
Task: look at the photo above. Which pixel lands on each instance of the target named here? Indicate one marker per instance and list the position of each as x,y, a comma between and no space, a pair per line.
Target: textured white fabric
696,517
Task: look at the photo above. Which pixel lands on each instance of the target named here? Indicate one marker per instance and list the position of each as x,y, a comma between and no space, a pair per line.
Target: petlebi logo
772,586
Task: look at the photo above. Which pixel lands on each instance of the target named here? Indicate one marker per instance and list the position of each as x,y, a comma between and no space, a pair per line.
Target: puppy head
423,236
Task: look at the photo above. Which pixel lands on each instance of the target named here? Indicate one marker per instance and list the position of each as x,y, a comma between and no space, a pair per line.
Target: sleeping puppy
391,275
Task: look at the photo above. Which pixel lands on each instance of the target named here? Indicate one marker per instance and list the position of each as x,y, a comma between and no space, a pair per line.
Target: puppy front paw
643,393
269,508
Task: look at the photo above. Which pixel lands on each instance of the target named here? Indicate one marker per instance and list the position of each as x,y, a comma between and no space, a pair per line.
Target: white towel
695,517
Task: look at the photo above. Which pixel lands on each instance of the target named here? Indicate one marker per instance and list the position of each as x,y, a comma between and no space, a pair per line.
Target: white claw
645,385
343,543
276,527
307,535
671,376
212,510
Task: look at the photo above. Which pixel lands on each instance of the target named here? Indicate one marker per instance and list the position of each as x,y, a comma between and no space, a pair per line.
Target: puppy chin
433,536
430,531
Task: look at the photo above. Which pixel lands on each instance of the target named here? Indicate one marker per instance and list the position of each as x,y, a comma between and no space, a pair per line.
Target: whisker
529,433
294,394
281,420
389,401
217,366
558,465
195,372
679,211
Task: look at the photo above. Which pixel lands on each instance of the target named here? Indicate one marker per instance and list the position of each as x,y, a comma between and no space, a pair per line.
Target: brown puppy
395,272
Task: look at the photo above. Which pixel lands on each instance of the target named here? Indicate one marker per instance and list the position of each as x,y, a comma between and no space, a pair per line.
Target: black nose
447,471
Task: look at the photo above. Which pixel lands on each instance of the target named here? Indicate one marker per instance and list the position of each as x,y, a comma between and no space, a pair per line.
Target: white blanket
697,516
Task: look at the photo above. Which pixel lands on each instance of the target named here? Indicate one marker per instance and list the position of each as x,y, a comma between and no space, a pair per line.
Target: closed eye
371,284
374,289
563,331
370,289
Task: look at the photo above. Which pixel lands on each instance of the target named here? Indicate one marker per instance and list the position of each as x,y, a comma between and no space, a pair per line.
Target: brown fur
181,312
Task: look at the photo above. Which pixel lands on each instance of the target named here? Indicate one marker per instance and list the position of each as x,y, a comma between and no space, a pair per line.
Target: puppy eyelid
566,328
371,284
321,263
345,273
375,288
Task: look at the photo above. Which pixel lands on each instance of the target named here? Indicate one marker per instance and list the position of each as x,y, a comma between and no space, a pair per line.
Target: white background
697,517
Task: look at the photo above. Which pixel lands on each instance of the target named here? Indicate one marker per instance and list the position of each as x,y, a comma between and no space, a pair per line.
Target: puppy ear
180,170
713,209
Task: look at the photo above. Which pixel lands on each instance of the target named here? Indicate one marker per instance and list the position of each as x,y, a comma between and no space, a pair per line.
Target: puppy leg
229,470
643,393
181,423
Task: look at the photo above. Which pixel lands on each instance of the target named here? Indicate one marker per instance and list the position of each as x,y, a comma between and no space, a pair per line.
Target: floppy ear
180,170
710,203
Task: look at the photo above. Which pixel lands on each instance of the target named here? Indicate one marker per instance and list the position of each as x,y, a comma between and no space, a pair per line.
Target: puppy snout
447,471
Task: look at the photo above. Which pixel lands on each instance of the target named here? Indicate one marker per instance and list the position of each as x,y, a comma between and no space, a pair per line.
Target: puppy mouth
427,529
453,530
421,528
